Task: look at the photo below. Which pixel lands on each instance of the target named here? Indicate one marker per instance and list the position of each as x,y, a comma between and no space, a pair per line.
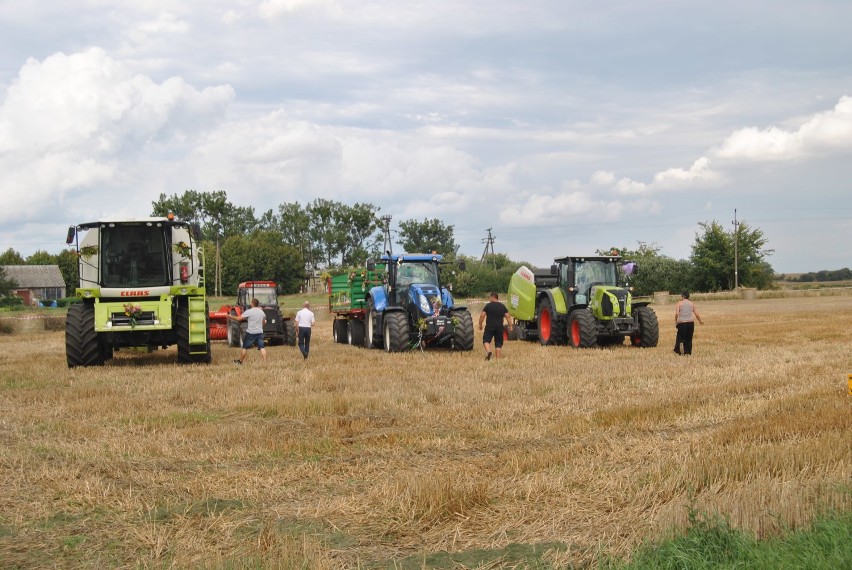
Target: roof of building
33,276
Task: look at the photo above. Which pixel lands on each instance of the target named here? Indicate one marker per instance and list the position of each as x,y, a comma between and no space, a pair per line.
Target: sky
562,126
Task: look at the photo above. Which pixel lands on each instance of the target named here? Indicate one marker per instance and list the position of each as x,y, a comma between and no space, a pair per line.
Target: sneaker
238,362
488,356
676,351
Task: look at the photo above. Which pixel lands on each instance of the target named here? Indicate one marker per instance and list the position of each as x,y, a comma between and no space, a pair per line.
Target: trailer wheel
340,331
395,332
463,330
549,332
356,332
582,332
648,334
81,341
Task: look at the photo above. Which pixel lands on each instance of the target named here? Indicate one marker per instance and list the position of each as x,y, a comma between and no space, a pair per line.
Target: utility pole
387,247
489,244
736,261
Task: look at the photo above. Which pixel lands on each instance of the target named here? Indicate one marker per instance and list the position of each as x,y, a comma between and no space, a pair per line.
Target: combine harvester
141,286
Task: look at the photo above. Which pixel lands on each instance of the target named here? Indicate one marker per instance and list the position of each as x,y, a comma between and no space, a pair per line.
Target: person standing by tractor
305,320
685,317
256,318
492,315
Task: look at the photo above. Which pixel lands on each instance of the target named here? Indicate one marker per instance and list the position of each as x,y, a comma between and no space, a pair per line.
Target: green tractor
579,301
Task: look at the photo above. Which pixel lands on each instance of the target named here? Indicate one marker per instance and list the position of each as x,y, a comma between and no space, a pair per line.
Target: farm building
36,283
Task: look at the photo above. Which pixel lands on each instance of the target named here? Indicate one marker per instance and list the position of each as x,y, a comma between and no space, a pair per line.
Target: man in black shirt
492,315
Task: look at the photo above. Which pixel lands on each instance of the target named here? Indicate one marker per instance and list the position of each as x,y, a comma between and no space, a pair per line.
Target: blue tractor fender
379,297
448,301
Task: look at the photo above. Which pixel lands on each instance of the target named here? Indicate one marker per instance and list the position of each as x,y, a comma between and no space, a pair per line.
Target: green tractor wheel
648,334
582,332
549,331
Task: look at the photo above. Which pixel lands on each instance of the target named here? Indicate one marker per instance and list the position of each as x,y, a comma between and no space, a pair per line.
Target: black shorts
493,334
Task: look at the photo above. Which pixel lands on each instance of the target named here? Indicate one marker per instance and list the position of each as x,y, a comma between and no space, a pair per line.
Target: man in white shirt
305,320
254,331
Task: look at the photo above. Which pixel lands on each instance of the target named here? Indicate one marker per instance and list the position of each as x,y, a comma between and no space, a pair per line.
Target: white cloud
830,131
67,123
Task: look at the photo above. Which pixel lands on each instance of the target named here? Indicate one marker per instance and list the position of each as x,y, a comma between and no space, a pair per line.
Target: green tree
713,257
261,256
6,284
41,257
11,257
67,261
427,236
656,272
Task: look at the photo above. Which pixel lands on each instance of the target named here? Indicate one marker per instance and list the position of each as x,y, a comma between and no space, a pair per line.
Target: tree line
296,243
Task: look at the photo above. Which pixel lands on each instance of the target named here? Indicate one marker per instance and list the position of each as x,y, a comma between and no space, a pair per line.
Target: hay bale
748,293
661,297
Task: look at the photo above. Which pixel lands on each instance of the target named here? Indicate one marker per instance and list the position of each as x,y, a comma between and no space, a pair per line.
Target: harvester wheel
81,341
463,331
582,332
649,329
182,332
549,331
395,332
373,335
340,331
356,332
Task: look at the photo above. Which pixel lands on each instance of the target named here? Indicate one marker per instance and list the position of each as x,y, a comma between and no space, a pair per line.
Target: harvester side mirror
630,268
554,269
196,231
462,265
72,233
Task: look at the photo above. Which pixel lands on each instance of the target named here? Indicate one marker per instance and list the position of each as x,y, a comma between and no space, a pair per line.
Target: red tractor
278,328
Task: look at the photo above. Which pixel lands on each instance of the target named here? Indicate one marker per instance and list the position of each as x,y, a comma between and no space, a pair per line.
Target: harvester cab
141,286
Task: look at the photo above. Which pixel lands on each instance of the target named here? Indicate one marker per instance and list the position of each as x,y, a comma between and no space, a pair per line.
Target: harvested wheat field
358,458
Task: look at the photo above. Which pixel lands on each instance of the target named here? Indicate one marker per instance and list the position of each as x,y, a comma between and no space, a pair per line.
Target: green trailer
347,301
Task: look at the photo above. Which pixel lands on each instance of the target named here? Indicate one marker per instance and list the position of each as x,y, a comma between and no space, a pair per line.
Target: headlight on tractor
424,305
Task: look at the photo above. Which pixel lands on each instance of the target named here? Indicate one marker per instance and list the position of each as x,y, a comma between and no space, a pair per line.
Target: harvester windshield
134,255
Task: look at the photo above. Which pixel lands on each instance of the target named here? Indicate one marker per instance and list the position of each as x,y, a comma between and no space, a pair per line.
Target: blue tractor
411,308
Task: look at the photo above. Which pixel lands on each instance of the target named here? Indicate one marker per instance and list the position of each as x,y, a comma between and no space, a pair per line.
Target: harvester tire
181,323
372,333
396,334
356,332
463,331
290,336
81,340
582,332
649,329
340,331
549,331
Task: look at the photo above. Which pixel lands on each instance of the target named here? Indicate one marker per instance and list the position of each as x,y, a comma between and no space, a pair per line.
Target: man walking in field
305,320
492,315
254,331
